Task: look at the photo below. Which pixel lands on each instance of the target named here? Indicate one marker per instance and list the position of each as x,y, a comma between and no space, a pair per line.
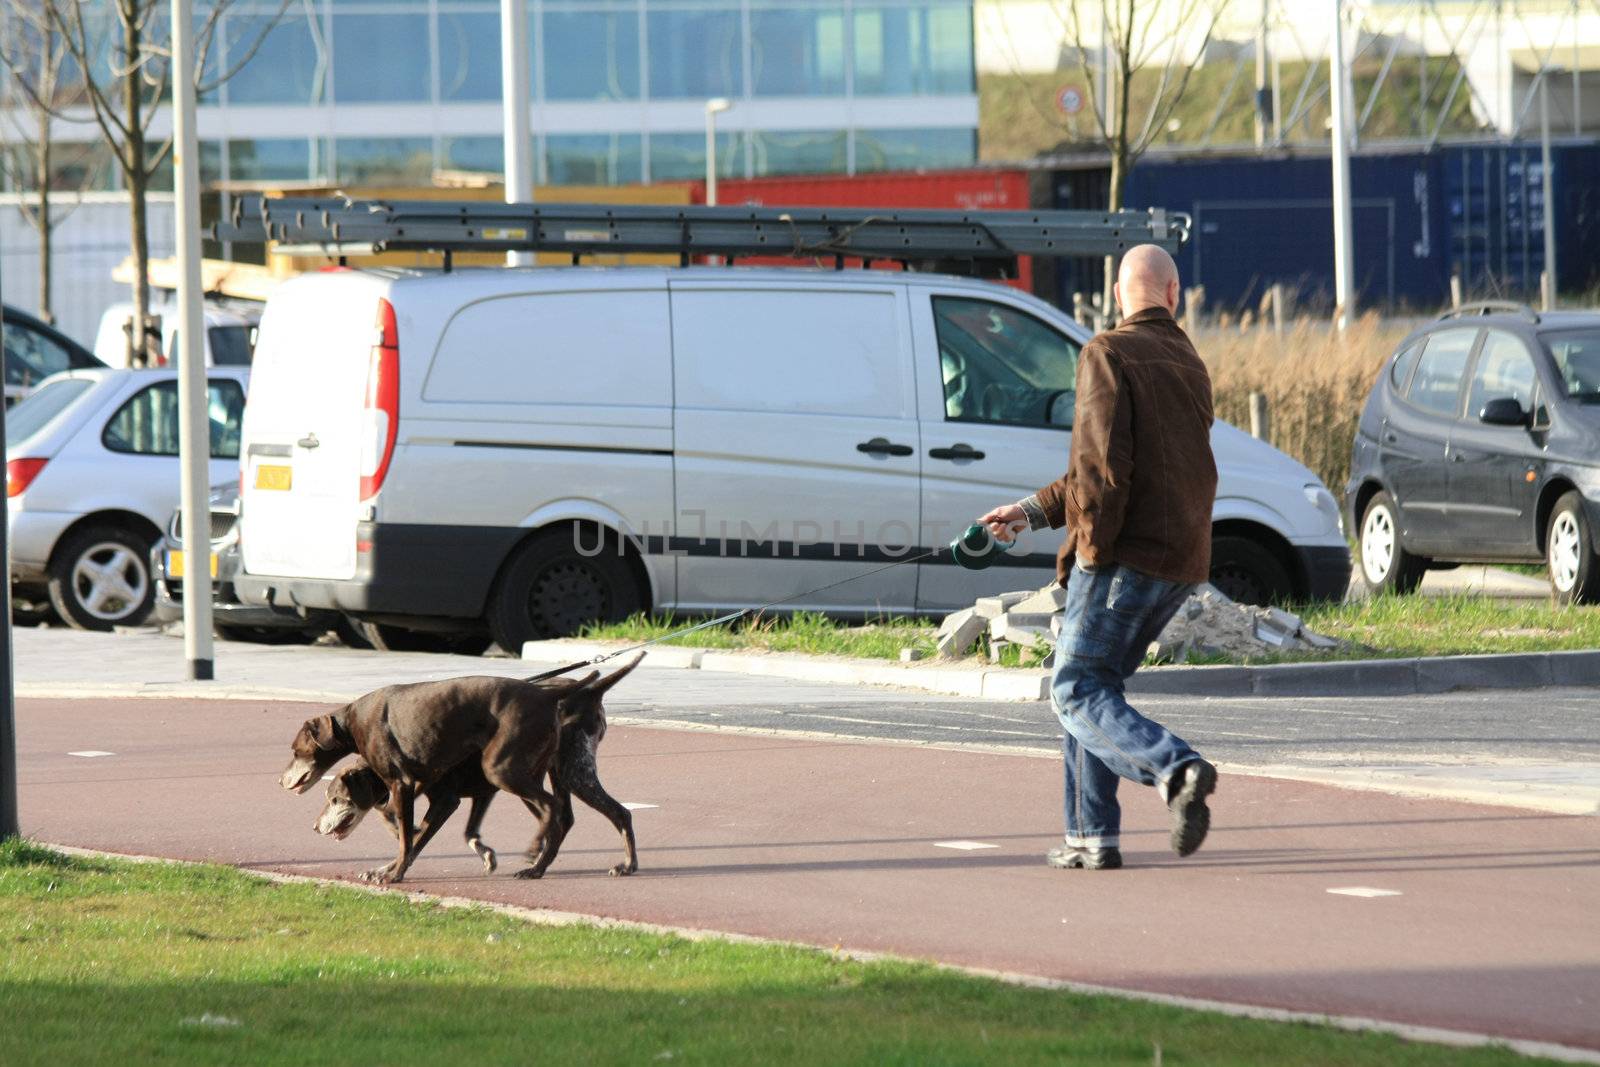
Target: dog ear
323,732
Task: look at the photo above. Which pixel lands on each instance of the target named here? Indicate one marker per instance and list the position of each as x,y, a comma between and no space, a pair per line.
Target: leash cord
731,616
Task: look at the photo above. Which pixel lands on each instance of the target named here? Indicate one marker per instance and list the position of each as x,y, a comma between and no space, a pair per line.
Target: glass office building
389,91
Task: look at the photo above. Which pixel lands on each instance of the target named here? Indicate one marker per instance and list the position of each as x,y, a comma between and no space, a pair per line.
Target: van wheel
349,633
1574,568
265,635
100,578
1247,572
387,638
550,589
1386,567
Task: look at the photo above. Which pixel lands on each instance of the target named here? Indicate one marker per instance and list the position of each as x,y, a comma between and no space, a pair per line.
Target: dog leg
402,800
480,808
442,803
545,808
582,780
564,814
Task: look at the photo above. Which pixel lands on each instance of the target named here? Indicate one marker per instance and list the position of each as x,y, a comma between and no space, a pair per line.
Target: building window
289,66
386,160
381,59
915,149
596,159
914,50
273,159
804,152
695,52
479,155
591,52
797,51
682,156
469,55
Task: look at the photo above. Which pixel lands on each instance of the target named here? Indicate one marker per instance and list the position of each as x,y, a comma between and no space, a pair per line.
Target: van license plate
274,476
175,564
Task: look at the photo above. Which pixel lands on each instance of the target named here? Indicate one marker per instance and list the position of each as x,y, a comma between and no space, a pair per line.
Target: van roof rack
1490,307
980,241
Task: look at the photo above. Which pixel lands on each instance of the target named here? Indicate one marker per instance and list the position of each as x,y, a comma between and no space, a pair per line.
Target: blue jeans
1110,618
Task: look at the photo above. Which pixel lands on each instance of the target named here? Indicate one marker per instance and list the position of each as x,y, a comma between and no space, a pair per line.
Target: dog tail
582,706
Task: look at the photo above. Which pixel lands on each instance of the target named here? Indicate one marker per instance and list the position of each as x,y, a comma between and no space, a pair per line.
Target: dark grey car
1480,443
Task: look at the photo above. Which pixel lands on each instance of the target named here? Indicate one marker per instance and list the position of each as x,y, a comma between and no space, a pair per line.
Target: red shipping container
961,190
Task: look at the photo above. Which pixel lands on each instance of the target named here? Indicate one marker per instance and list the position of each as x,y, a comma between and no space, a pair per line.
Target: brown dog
357,789
411,736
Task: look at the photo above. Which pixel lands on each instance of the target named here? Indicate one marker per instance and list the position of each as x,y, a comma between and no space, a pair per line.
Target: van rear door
304,427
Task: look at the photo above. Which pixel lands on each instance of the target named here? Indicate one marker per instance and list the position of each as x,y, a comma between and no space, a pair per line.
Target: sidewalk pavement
1305,897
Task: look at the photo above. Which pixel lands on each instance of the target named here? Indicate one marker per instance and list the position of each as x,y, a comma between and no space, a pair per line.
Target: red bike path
1471,918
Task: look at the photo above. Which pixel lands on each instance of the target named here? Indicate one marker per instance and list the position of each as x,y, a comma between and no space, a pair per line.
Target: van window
1505,369
1003,365
609,347
1436,386
826,352
147,423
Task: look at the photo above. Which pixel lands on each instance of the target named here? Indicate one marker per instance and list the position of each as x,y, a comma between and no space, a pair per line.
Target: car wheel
387,638
1574,569
1247,572
266,635
349,633
1386,567
550,589
100,578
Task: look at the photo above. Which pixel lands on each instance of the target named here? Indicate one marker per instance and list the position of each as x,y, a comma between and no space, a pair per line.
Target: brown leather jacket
1140,478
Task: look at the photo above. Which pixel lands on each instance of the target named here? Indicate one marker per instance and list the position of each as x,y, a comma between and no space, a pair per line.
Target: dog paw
381,876
623,869
489,862
529,873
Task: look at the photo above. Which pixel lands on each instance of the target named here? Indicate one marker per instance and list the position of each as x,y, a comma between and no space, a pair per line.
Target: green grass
117,962
1384,627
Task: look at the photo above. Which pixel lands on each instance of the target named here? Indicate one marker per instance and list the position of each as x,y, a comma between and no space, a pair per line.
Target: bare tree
35,57
1166,37
123,50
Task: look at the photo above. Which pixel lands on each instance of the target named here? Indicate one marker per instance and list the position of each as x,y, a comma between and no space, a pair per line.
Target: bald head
1148,279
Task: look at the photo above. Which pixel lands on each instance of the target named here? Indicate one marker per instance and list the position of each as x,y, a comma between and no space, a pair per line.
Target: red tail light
20,474
381,414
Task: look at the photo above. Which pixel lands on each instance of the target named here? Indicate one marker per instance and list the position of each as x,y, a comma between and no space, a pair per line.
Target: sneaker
1084,859
1190,816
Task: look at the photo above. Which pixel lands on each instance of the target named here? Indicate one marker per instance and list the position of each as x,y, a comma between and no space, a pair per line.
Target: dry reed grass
1315,379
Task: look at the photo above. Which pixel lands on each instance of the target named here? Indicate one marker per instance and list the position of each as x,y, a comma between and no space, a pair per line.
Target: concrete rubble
1208,624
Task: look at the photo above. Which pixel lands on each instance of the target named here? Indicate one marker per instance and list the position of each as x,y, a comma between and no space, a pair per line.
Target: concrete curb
1372,677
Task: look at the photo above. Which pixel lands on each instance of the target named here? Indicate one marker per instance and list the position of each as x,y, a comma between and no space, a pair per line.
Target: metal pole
194,427
10,821
1339,76
1549,215
515,92
1263,100
711,157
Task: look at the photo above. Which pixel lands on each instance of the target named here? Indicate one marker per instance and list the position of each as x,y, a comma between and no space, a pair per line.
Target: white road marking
1364,891
964,846
638,807
91,753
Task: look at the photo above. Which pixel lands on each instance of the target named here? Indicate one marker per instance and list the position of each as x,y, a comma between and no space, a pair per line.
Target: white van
528,450
230,333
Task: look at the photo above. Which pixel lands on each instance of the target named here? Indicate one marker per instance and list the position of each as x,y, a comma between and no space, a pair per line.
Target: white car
230,333
92,476
520,452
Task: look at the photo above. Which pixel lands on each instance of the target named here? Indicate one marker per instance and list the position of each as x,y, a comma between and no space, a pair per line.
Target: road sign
1069,100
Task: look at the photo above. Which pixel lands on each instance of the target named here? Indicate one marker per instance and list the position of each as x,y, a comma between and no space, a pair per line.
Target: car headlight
1319,497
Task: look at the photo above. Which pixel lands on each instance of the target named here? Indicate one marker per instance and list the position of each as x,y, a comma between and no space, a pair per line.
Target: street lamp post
1339,93
515,92
714,108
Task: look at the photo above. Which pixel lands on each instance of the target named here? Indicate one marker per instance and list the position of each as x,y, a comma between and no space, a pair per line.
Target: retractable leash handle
977,549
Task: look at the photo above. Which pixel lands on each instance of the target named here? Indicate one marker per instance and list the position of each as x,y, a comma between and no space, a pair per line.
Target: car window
1003,365
1577,356
31,357
1505,369
147,423
35,411
1400,370
1436,386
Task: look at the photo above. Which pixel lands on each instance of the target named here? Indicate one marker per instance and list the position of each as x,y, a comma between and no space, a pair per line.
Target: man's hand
1005,522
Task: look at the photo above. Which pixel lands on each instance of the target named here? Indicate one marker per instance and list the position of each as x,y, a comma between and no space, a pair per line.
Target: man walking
1136,502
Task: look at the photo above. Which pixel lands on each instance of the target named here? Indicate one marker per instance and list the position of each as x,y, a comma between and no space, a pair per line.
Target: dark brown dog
357,789
411,736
